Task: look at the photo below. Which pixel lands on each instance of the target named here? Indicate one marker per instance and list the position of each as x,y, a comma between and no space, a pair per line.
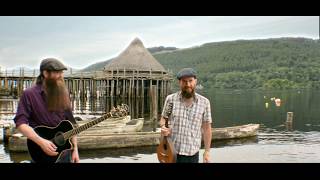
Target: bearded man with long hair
46,103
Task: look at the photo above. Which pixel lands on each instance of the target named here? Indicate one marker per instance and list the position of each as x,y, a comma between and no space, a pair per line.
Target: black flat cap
52,64
186,72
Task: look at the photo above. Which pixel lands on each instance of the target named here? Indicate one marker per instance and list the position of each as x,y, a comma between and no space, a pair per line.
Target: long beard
57,95
187,94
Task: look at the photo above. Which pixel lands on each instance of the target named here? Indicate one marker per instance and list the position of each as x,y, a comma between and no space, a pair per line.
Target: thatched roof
135,57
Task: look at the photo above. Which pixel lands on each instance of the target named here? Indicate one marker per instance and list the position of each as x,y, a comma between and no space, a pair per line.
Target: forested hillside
281,63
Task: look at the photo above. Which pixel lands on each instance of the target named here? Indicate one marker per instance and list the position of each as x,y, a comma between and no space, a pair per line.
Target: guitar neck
168,112
166,122
73,132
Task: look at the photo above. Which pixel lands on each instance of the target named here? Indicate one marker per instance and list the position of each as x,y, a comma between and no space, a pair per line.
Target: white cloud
98,40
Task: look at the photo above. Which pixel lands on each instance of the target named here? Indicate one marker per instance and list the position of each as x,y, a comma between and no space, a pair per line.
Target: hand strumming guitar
48,147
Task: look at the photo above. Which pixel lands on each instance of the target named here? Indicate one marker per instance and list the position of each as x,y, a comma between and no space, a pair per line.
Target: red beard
57,95
186,94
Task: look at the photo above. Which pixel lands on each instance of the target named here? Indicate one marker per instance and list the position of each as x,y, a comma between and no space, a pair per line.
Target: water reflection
8,108
277,141
138,107
132,153
243,107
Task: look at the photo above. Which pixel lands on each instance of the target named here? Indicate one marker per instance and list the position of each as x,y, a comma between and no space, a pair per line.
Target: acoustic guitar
165,151
61,135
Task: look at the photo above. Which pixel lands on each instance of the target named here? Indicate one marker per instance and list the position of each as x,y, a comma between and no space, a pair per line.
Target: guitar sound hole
165,146
59,139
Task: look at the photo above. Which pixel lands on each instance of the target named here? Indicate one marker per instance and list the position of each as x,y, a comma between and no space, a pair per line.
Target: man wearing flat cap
189,121
46,103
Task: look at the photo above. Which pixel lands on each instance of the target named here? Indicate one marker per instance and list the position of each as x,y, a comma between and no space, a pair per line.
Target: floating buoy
267,105
277,101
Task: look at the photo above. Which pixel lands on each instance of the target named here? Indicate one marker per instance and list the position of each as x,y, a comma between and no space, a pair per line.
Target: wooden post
130,84
74,88
289,121
167,88
112,103
94,88
88,88
290,117
157,91
142,88
84,88
162,86
153,105
107,88
112,83
102,88
137,107
142,107
99,88
149,99
117,87
85,82
5,83
138,88
161,94
124,83
142,98
79,87
112,88
12,87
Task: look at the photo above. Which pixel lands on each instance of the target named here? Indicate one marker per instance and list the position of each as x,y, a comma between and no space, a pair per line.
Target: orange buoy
277,101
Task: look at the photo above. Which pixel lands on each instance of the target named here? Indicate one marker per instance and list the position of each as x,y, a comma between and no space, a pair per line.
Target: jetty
98,140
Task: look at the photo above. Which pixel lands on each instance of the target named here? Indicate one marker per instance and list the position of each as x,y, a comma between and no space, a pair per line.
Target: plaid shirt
186,122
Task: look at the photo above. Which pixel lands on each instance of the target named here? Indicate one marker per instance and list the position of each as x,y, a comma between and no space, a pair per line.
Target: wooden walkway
110,84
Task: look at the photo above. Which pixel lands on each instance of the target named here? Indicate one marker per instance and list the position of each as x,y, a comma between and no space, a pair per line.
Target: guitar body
55,134
165,151
63,132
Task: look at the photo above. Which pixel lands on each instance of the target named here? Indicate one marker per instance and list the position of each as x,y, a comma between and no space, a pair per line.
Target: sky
79,41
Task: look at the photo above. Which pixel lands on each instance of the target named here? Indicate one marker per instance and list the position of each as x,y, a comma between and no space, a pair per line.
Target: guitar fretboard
115,112
73,132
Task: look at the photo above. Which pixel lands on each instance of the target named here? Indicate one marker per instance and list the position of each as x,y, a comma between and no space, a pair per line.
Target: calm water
275,141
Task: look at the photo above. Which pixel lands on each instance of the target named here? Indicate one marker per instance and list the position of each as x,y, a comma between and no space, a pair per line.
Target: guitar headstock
168,110
119,111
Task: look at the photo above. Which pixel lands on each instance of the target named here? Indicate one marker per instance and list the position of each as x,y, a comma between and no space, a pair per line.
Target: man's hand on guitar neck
165,131
75,154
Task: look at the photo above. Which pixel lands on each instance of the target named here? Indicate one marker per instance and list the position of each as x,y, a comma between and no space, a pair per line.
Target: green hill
280,63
